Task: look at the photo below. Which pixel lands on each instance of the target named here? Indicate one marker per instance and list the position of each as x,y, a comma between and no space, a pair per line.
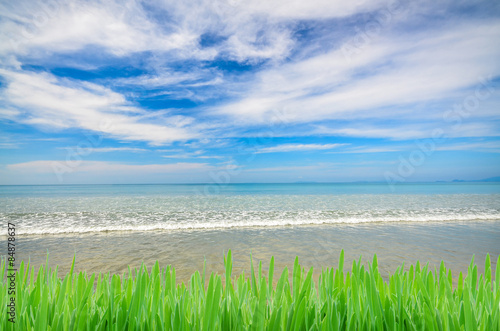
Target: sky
234,91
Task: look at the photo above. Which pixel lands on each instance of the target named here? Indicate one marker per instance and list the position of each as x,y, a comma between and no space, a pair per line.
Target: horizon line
455,181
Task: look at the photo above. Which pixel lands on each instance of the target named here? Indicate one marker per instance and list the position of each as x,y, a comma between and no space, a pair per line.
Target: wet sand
454,242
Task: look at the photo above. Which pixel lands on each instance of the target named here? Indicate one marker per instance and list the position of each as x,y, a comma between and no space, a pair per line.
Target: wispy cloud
115,28
202,78
63,104
180,154
46,166
288,168
241,30
298,148
8,145
111,149
388,75
382,82
192,156
365,150
405,131
484,146
9,114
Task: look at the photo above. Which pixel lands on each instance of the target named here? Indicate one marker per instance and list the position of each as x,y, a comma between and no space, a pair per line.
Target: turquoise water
40,210
245,189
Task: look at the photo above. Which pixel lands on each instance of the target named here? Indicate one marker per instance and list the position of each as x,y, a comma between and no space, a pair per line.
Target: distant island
491,179
484,180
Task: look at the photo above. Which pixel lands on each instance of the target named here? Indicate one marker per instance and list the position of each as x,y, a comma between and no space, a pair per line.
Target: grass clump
415,299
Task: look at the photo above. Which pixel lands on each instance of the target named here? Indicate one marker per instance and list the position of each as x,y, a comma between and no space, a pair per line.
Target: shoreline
118,232
318,246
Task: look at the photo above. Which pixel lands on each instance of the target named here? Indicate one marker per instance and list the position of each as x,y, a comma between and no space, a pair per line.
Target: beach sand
319,246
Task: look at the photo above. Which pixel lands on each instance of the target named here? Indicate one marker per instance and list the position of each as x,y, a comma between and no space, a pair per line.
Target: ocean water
80,209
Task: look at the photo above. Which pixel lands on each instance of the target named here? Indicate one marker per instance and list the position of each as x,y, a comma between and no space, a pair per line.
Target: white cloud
122,28
443,145
318,9
119,28
63,104
364,150
396,69
411,131
175,150
288,168
297,148
9,145
484,146
399,132
243,30
110,149
181,154
44,166
395,72
191,156
164,77
9,114
85,172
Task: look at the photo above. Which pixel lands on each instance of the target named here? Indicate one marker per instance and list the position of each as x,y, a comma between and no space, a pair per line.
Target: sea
39,210
112,227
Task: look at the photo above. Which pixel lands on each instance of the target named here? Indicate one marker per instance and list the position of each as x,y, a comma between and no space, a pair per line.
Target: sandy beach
454,242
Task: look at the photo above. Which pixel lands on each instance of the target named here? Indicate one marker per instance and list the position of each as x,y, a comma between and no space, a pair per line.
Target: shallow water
454,242
39,210
109,227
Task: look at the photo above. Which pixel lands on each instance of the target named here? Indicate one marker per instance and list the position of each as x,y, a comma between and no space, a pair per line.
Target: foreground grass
417,299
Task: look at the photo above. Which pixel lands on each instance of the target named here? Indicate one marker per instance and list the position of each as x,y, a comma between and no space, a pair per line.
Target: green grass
415,299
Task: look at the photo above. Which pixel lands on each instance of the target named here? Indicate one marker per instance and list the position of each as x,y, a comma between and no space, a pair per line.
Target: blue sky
229,91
